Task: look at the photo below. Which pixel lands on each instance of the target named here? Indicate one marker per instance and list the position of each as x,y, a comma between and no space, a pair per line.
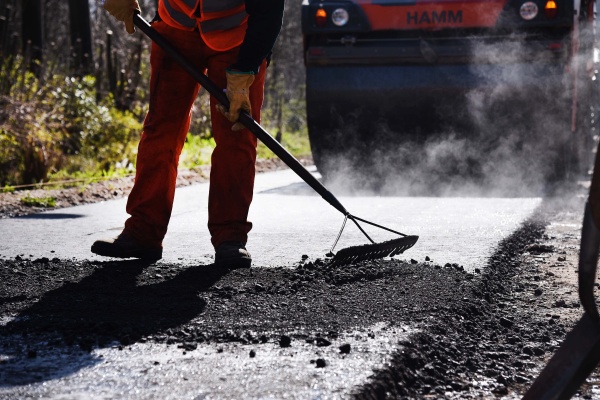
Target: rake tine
338,236
377,225
375,251
370,251
353,218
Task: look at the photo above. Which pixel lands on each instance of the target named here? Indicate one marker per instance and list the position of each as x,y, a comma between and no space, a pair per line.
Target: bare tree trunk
81,36
111,73
33,33
5,12
134,73
286,73
279,135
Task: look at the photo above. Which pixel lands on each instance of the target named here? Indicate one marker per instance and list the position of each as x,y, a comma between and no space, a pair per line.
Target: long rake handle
245,118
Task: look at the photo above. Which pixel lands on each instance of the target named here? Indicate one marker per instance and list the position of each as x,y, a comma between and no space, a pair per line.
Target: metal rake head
373,251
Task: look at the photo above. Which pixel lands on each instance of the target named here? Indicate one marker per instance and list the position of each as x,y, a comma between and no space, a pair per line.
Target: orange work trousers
172,94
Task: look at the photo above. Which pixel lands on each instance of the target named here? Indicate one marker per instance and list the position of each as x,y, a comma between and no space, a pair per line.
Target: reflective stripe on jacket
222,23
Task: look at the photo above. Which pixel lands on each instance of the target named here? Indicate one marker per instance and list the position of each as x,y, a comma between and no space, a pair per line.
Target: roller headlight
340,17
529,10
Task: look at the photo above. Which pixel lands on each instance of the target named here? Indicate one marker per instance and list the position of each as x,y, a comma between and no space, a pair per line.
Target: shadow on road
51,216
123,301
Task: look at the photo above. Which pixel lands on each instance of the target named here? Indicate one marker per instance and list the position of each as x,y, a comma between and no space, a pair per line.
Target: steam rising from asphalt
507,136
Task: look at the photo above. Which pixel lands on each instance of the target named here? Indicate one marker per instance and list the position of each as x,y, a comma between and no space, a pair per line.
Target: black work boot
232,255
125,246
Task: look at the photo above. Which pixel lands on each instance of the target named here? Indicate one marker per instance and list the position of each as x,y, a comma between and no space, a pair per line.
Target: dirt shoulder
13,204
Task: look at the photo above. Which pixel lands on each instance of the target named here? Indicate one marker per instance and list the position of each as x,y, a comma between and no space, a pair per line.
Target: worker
231,41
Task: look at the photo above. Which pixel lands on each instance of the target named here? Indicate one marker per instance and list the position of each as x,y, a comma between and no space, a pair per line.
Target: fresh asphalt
290,221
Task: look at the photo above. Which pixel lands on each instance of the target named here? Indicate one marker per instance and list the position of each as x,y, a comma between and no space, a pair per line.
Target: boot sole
142,254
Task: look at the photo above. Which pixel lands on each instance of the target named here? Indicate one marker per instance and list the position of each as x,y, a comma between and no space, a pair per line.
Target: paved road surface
290,220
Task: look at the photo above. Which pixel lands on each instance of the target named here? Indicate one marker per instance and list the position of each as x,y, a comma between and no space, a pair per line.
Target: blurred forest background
74,93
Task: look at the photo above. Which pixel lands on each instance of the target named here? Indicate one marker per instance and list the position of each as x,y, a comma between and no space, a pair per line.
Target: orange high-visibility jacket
222,23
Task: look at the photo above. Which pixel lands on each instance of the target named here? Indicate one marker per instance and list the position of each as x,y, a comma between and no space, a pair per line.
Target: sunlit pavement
290,221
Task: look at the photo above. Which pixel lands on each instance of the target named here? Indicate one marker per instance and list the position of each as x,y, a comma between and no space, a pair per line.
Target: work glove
238,93
123,10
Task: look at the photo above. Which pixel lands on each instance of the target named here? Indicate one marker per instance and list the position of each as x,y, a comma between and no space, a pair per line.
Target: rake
349,255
